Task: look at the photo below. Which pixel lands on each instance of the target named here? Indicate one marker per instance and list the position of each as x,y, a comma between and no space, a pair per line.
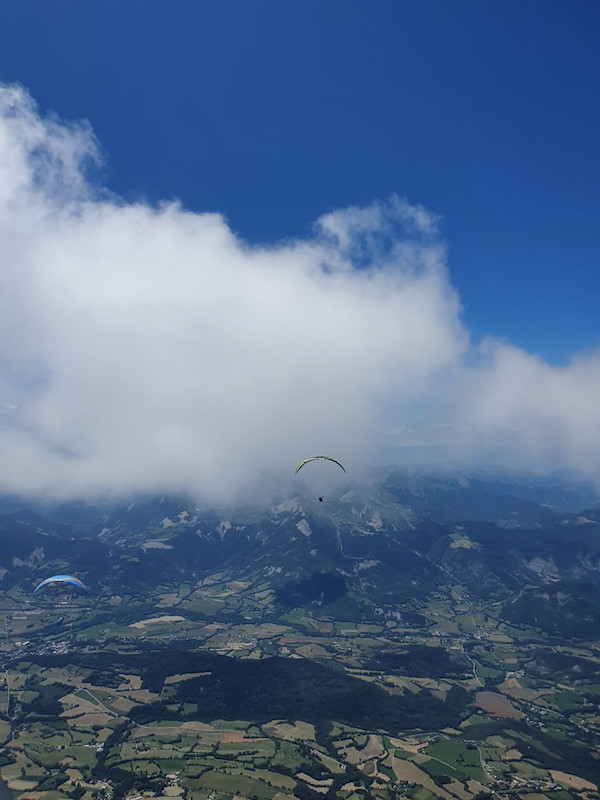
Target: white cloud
551,412
149,349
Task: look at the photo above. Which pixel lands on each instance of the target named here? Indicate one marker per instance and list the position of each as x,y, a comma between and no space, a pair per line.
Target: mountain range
530,543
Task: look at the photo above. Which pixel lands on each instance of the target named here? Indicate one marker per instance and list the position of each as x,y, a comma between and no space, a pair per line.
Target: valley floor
82,718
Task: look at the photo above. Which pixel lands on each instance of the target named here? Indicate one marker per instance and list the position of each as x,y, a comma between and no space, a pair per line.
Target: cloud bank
148,348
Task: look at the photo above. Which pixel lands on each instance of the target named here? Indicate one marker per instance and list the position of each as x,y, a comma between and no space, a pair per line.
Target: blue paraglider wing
61,579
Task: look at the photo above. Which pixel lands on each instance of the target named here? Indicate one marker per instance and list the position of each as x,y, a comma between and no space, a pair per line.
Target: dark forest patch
420,661
321,587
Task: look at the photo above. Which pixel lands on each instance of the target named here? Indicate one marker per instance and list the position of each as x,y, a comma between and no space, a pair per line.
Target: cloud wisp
148,348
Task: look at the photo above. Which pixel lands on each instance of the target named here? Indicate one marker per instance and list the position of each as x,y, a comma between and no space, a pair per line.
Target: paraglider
69,579
60,621
318,458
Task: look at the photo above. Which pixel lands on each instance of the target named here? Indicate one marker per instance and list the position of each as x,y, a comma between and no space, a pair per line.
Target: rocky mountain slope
379,549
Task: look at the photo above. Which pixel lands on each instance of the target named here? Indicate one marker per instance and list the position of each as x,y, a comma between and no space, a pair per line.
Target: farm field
85,714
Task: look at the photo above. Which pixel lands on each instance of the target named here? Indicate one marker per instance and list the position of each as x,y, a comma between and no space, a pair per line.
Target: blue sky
272,113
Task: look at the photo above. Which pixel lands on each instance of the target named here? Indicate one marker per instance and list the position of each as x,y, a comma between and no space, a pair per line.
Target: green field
566,700
461,759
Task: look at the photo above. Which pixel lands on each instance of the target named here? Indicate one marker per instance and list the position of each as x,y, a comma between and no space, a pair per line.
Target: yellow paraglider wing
317,458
